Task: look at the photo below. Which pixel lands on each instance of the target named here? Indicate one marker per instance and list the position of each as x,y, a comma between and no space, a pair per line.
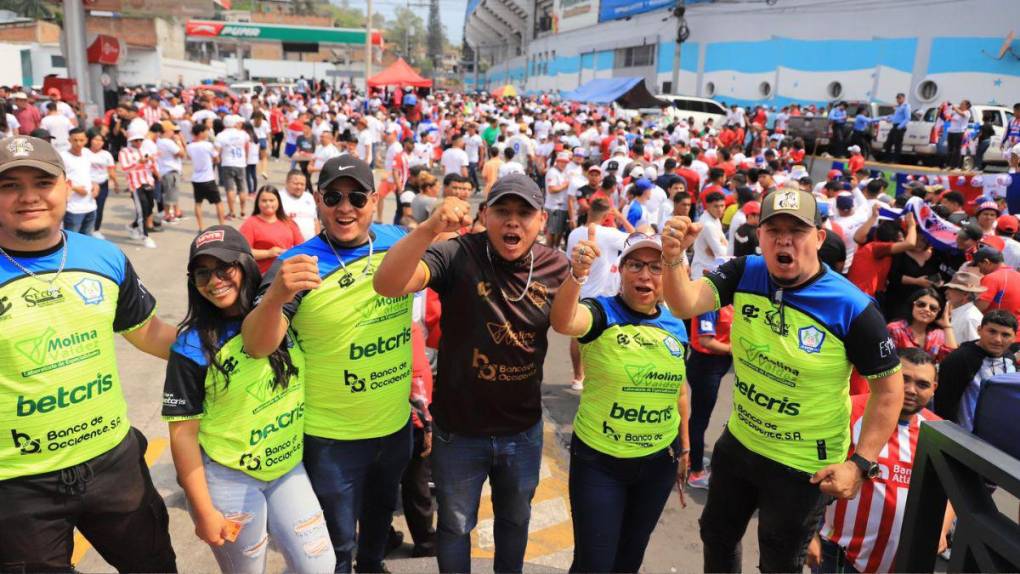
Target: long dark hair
208,321
281,214
925,292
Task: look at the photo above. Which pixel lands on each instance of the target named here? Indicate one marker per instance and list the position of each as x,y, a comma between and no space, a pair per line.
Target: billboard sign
574,14
617,9
277,33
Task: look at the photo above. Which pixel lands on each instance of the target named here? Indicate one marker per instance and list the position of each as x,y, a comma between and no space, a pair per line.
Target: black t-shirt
306,145
491,351
832,252
745,240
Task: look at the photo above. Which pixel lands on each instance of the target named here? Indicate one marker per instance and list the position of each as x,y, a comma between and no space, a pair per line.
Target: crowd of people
330,365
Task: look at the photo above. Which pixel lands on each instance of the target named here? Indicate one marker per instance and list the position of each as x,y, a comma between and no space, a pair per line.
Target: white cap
230,121
637,172
136,134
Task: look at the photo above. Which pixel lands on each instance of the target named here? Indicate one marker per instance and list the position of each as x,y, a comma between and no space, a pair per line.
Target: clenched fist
678,234
297,274
585,253
450,215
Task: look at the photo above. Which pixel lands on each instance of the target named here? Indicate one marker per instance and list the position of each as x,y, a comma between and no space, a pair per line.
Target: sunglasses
201,276
635,266
933,306
332,198
638,236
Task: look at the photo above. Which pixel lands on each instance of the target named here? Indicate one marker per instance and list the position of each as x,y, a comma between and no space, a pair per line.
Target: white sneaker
98,235
149,243
577,385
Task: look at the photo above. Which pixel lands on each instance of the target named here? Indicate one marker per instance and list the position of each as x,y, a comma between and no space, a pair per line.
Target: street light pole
368,43
682,32
74,44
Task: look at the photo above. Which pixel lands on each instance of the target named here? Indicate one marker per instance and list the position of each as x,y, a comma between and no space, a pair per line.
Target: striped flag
940,233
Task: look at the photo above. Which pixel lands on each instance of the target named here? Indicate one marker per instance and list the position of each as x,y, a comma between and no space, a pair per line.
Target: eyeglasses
635,266
935,307
201,276
358,199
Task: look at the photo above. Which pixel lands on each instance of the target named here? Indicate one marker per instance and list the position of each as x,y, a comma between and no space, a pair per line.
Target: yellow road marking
81,545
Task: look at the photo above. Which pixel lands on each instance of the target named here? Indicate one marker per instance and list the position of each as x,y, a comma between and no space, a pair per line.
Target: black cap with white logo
350,166
220,241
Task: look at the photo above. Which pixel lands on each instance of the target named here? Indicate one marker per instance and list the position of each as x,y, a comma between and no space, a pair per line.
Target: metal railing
953,464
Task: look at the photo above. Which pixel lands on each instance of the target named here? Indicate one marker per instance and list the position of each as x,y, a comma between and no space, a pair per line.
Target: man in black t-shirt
594,174
487,404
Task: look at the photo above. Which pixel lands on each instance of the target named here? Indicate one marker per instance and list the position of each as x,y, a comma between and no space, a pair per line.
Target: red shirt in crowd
262,234
1003,290
934,340
870,268
714,323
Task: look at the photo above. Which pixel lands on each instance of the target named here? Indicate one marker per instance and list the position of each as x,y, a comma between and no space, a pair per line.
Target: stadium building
753,52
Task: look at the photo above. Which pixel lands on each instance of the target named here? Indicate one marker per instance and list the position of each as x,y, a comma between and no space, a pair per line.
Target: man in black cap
69,457
487,403
357,344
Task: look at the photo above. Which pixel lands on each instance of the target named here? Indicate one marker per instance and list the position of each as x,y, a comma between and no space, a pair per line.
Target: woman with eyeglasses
927,327
237,423
630,443
269,230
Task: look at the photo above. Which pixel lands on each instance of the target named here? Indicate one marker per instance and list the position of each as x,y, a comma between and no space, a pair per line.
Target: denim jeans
357,483
704,373
284,509
104,191
789,508
460,465
83,223
615,504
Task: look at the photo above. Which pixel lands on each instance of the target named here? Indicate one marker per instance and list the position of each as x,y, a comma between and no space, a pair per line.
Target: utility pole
368,42
74,44
682,33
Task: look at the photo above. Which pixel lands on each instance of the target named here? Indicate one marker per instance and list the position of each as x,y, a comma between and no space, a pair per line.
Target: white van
701,109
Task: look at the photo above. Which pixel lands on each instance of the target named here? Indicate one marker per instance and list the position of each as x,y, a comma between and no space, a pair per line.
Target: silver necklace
49,284
527,285
347,278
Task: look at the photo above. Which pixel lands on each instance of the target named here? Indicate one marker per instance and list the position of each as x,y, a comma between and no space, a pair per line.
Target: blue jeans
460,465
358,483
104,191
704,373
615,504
284,509
80,222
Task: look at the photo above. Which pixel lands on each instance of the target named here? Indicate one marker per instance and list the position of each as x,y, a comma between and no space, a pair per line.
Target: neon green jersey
793,351
61,401
357,344
634,375
246,425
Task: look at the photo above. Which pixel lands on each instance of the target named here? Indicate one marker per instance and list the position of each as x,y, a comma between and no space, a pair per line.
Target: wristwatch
869,470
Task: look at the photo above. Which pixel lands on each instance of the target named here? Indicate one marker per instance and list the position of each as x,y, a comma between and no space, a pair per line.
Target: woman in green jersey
236,423
630,440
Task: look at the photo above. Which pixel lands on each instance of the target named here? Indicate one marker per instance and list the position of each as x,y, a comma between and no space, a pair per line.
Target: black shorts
206,191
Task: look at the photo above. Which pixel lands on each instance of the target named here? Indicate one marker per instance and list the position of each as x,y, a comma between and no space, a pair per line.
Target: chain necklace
49,284
347,278
527,285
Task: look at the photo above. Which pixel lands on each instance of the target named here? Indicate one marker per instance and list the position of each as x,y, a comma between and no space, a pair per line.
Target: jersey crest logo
484,289
673,345
539,294
811,339
20,147
90,291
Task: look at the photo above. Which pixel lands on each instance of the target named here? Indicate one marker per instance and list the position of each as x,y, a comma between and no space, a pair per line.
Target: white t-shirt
302,211
364,149
100,161
711,243
522,149
604,278
166,158
202,115
78,169
555,178
202,154
261,130
655,203
233,146
59,127
508,167
253,153
471,145
391,154
324,153
453,160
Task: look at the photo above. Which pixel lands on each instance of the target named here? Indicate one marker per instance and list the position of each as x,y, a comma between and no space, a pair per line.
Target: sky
450,11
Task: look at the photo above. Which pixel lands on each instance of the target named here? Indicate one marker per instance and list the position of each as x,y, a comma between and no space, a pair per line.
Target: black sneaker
379,568
396,540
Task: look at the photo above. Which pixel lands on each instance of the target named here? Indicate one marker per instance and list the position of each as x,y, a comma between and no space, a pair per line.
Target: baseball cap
517,184
794,202
563,156
137,134
220,241
640,240
41,133
986,253
844,201
986,205
595,168
968,282
1007,223
643,184
833,174
823,209
170,126
971,231
637,172
751,207
27,151
346,166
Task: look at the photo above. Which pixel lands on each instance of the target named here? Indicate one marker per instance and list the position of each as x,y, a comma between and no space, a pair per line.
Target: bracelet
673,264
685,451
576,280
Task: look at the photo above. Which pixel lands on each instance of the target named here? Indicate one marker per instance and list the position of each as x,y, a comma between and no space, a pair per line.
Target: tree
436,34
406,34
35,9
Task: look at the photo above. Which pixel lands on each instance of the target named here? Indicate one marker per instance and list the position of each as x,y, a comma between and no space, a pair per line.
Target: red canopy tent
399,74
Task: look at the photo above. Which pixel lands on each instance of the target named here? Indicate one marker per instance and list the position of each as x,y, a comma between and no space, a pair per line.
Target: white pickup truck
923,142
